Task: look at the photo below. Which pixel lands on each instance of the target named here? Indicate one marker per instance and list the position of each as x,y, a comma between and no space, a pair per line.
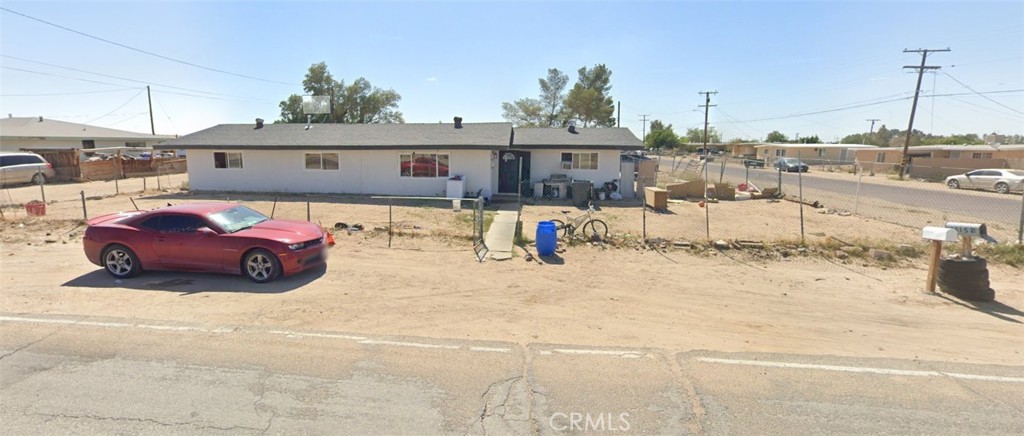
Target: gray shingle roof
619,138
32,127
349,136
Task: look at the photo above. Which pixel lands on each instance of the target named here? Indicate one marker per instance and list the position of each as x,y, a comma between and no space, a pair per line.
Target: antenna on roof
309,121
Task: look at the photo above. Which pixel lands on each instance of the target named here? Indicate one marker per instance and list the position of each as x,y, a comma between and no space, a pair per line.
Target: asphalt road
984,206
62,375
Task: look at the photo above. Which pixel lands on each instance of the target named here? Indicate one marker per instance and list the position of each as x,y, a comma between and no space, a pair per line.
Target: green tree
588,101
661,136
360,102
695,135
525,112
776,137
552,97
810,140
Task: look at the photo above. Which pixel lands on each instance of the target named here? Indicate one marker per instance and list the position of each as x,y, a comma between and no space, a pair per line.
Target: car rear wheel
261,266
1002,188
120,261
953,184
39,179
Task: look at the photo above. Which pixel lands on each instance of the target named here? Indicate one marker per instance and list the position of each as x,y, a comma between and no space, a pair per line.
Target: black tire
261,266
953,184
120,261
560,228
1002,188
39,179
595,229
963,265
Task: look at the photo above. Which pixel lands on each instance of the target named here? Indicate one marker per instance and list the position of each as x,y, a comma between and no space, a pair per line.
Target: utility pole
871,132
152,128
913,109
707,207
644,119
707,104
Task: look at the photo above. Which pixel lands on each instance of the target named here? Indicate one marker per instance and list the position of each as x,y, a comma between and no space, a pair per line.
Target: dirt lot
588,295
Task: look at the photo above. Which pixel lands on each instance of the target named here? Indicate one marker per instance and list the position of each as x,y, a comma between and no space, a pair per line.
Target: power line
144,51
52,94
983,96
119,85
123,78
116,109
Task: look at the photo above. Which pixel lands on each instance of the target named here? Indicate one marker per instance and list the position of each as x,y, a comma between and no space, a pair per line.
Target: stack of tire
966,279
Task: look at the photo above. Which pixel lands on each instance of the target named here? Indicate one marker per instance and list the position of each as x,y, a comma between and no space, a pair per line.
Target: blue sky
766,59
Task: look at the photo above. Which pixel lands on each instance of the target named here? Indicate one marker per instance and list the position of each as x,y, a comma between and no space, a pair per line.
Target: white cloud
432,79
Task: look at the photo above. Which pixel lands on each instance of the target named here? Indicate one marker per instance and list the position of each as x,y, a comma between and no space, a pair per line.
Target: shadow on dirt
188,283
994,308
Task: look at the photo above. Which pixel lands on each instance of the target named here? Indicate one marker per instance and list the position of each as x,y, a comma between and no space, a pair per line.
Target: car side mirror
206,231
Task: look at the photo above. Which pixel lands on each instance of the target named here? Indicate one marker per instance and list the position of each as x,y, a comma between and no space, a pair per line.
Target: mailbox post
968,231
937,235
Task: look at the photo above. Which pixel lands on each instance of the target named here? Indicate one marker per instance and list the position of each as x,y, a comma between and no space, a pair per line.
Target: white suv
24,168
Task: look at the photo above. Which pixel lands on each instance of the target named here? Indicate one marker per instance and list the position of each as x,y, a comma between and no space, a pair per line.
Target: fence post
721,173
643,205
85,215
117,187
390,232
707,204
308,216
856,196
42,190
780,181
1020,224
143,184
800,182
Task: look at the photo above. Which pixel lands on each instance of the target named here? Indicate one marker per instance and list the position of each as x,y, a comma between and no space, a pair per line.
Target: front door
509,174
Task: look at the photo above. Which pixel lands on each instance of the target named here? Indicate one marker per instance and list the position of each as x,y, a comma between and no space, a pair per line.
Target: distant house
396,159
38,133
813,154
937,161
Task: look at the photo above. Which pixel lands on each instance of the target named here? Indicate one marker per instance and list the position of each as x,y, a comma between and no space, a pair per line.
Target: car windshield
237,218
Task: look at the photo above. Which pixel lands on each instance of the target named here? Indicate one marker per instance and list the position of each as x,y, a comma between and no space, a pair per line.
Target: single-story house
396,159
937,161
38,133
812,154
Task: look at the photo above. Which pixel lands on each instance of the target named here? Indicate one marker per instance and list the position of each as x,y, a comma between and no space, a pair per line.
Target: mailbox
970,230
939,234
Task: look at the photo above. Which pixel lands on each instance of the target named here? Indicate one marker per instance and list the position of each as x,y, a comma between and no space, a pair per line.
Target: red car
209,237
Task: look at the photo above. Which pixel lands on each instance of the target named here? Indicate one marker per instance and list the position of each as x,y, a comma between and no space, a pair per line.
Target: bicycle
591,227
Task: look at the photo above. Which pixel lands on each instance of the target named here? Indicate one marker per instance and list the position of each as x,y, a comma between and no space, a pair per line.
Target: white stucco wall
15,144
361,172
544,163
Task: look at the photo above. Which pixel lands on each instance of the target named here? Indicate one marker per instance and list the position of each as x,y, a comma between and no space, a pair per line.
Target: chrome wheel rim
259,267
119,262
1002,189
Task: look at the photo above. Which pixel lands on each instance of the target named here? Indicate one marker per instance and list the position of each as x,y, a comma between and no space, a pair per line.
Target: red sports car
209,237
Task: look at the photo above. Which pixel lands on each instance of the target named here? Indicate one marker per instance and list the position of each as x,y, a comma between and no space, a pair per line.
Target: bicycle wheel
595,229
560,228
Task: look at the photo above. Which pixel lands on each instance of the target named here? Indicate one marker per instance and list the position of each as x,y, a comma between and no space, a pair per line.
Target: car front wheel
261,266
953,184
120,261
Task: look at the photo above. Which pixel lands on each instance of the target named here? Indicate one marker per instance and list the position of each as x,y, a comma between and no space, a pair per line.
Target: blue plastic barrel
547,238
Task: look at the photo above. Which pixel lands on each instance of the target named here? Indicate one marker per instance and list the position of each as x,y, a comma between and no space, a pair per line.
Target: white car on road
1000,180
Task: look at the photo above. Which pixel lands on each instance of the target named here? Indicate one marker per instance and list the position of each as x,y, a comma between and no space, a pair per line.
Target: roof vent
259,123
458,122
572,128
40,118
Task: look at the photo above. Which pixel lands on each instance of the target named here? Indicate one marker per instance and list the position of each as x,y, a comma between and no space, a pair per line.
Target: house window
227,160
821,152
954,155
579,161
423,165
880,158
321,161
982,156
88,143
780,152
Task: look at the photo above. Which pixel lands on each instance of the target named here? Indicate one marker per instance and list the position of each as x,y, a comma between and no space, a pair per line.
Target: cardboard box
656,198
